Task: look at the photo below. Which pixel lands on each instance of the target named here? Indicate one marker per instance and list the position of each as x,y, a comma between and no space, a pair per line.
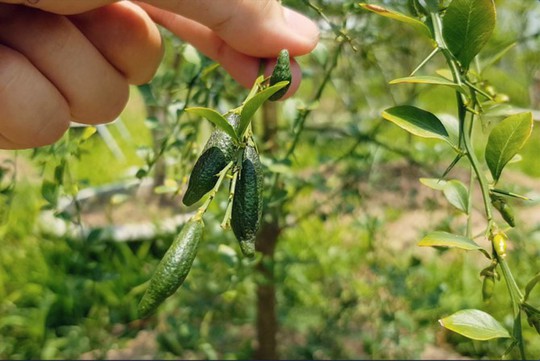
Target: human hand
56,68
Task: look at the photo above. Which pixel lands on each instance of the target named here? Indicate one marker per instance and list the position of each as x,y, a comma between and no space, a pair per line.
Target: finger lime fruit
499,243
173,268
281,72
488,286
247,201
504,209
217,153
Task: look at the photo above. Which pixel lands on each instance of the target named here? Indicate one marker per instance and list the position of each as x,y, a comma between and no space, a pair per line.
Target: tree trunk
267,325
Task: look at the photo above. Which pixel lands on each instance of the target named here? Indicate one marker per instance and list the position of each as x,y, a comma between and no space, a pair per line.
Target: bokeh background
84,222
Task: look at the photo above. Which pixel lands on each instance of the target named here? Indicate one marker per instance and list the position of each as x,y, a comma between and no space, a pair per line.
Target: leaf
467,26
451,124
88,132
475,324
510,194
50,191
445,239
417,24
445,73
254,102
486,63
433,183
505,140
431,80
217,119
530,286
148,96
416,121
457,194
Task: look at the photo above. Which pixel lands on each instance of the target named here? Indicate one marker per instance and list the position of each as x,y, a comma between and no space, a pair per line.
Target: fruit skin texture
487,288
499,244
281,72
504,209
173,268
217,153
248,201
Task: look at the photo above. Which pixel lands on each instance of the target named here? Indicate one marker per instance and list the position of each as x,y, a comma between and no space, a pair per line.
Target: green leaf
451,124
433,183
530,286
431,80
416,121
50,191
88,132
417,24
510,194
254,102
445,239
467,26
475,324
217,119
505,140
486,63
457,194
148,96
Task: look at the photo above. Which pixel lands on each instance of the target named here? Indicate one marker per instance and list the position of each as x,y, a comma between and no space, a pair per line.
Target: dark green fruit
247,201
218,152
282,72
488,287
504,209
173,268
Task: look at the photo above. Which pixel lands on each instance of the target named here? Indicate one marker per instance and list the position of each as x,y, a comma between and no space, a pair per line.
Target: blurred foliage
346,285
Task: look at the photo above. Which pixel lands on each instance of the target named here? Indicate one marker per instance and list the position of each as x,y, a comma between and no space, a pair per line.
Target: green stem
304,113
213,192
226,223
425,61
469,205
441,44
466,139
516,297
515,293
475,164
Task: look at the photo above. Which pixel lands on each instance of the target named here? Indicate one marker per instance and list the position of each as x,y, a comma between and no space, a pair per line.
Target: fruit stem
213,192
226,223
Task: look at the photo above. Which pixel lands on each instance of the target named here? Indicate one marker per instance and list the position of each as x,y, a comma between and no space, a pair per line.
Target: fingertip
105,111
303,30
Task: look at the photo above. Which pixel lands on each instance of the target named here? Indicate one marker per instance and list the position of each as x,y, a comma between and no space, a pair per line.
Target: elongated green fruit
218,152
247,201
281,72
173,268
504,209
488,287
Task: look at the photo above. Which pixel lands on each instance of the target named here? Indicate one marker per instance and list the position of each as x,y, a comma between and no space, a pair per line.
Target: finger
63,7
95,91
258,28
32,111
126,36
243,68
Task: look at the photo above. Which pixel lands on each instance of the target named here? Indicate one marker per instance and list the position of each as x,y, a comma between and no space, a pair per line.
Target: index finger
257,28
